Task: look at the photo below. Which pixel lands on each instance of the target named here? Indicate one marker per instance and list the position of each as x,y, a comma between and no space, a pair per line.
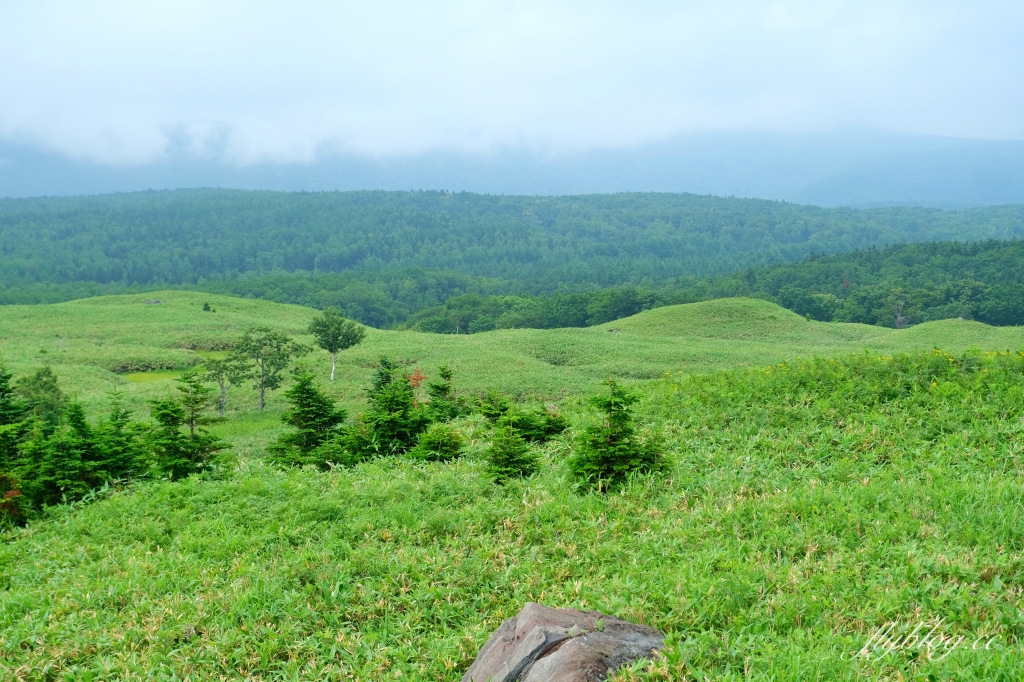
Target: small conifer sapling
608,452
509,455
315,418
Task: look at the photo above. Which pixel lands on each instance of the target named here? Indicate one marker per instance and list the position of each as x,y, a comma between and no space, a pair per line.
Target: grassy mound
806,505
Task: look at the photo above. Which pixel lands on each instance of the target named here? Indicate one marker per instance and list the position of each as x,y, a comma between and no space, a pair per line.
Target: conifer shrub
608,452
41,393
316,419
50,453
174,452
445,404
493,406
66,465
439,443
509,455
535,426
394,420
12,421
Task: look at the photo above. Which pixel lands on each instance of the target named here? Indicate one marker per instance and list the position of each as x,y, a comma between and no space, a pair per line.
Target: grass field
806,504
98,344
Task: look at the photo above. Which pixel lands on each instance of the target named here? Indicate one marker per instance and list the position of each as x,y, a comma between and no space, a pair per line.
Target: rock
152,301
542,644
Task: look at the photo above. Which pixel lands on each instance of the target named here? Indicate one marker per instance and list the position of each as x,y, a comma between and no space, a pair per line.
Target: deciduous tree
267,353
334,333
226,374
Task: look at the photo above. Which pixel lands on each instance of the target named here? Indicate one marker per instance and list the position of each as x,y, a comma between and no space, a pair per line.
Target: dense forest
895,286
454,263
192,236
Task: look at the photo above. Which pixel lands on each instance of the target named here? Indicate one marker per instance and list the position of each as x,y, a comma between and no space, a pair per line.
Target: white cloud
250,81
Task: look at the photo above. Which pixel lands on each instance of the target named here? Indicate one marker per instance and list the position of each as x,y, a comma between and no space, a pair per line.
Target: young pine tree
316,419
12,430
509,455
445,405
493,406
179,442
118,443
538,425
439,443
12,422
607,453
393,422
43,396
61,465
12,410
334,333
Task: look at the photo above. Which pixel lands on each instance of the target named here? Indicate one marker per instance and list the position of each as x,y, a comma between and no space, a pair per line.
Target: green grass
99,344
806,503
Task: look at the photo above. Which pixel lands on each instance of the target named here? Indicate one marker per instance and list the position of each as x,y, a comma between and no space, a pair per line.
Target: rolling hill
98,344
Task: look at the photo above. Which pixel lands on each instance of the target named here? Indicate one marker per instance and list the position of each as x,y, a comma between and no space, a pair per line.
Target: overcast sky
250,81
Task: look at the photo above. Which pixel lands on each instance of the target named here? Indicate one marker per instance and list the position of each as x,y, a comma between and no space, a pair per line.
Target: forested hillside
912,282
544,243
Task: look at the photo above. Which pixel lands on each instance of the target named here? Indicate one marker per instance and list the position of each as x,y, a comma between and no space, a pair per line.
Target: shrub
316,420
10,501
607,453
12,426
43,396
439,443
177,454
334,452
509,455
536,426
494,406
394,420
445,405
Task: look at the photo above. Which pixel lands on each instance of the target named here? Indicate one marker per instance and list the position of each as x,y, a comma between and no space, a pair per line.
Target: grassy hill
98,344
805,505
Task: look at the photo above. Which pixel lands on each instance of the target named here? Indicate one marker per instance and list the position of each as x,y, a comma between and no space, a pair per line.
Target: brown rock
561,645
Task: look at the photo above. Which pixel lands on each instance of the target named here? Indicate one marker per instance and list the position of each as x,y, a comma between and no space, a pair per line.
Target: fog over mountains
859,168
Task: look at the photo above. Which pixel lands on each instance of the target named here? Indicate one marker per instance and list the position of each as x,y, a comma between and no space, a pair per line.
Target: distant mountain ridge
852,168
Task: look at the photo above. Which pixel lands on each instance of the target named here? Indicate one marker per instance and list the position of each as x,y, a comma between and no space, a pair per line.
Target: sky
256,82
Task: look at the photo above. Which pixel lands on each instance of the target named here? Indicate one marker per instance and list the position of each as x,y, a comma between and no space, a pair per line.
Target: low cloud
247,82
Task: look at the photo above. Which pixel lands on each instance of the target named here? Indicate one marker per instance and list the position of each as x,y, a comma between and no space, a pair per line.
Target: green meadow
822,480
122,343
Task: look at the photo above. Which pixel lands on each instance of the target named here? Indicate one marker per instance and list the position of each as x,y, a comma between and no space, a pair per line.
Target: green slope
803,508
92,343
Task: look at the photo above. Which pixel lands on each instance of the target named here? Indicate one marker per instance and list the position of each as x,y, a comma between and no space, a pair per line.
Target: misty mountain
852,168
